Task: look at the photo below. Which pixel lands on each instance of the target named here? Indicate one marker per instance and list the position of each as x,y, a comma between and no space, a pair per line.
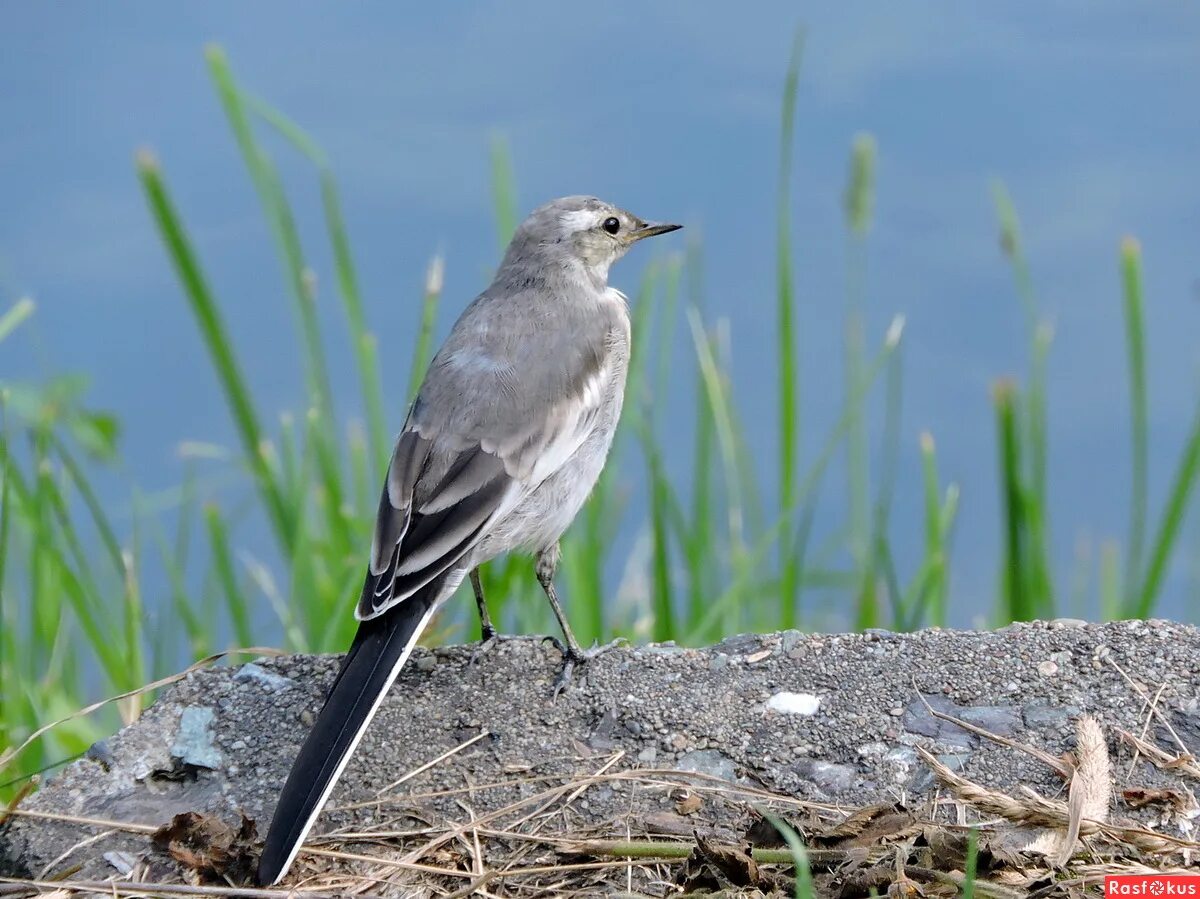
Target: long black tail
380,649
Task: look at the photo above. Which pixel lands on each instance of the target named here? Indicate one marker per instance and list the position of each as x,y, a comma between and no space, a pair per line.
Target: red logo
1152,886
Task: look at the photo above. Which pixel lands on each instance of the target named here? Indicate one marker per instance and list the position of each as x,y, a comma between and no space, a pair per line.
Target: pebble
194,740
251,673
101,753
831,777
794,703
708,761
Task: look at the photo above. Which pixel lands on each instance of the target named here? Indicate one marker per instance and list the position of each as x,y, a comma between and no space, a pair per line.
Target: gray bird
504,442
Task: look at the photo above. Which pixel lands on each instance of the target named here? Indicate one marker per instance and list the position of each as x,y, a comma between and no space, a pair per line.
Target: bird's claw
575,655
488,641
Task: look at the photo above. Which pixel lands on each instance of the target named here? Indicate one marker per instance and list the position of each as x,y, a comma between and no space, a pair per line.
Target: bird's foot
575,655
489,641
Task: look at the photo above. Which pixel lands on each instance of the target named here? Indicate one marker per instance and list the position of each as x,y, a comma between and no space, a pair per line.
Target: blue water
1086,111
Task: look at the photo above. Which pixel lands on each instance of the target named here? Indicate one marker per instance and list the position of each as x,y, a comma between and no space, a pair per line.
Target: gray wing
501,409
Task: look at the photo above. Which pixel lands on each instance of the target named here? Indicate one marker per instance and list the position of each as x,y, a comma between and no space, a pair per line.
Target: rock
918,719
194,742
829,777
221,740
1038,715
923,780
710,762
787,703
252,673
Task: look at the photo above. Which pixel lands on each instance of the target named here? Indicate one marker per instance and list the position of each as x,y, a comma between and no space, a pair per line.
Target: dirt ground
661,770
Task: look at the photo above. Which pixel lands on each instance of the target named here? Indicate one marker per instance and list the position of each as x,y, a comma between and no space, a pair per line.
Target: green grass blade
423,351
1111,586
104,526
804,882
504,192
971,864
362,342
5,520
236,601
1135,342
788,411
859,202
879,552
1019,604
1170,524
283,228
701,565
935,550
665,627
216,339
1010,243
12,319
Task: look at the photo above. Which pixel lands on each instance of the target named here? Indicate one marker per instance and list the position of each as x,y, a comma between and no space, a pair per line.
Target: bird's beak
651,229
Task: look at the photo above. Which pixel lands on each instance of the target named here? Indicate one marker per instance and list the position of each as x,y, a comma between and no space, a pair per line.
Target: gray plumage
505,440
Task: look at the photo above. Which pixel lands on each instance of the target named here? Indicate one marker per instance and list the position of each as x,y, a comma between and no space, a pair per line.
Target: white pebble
794,703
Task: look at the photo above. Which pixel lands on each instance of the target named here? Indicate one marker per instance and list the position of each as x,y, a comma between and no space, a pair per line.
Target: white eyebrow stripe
579,220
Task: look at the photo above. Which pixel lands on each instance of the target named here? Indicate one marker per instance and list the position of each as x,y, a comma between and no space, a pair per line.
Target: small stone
923,780
901,762
1048,668
1049,716
896,712
307,718
251,673
718,662
427,663
708,761
740,644
124,862
789,640
866,750
101,753
794,703
648,755
194,741
999,719
831,777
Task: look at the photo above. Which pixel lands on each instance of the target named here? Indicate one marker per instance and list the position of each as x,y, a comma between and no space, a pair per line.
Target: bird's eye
612,225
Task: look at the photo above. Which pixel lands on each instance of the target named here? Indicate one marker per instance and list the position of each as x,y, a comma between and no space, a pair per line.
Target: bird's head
582,231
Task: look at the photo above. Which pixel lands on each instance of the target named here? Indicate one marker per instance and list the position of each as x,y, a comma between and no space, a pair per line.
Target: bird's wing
486,429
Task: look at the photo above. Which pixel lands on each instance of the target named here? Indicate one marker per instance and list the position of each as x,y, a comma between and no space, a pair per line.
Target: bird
502,445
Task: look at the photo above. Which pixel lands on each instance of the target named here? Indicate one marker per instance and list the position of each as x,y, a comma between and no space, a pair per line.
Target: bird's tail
380,649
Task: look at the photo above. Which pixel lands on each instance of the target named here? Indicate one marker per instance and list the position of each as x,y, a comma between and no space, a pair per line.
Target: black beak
652,229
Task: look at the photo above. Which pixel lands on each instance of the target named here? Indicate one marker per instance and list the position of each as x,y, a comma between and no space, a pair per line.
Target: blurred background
975,225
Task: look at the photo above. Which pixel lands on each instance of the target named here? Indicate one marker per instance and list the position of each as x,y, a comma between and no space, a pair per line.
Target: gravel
221,740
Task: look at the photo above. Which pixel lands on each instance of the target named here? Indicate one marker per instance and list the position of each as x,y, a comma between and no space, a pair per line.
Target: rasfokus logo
1152,885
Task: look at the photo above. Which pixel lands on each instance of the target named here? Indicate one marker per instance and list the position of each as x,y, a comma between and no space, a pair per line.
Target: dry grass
543,843
606,829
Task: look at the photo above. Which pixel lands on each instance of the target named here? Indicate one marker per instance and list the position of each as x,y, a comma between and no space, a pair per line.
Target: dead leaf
870,826
689,803
1137,797
716,867
209,846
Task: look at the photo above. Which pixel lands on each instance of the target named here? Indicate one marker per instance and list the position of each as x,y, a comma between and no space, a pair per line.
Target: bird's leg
487,632
573,653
